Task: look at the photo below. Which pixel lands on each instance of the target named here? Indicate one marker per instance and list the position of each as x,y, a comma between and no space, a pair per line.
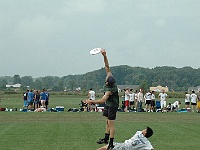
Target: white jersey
148,96
153,97
91,95
175,104
187,97
132,97
193,98
127,96
137,142
163,96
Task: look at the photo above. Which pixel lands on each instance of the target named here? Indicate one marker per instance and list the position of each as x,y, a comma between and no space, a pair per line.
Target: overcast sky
53,37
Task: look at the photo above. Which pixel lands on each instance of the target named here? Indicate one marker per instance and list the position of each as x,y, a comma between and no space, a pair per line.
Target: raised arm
108,72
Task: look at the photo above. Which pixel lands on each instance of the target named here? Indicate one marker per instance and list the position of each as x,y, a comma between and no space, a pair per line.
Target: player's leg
161,104
107,132
111,126
111,120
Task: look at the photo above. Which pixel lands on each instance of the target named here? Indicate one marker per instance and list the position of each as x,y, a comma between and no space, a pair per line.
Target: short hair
90,89
149,132
110,81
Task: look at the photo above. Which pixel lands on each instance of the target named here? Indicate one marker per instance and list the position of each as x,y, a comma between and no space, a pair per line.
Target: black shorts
193,103
37,102
187,103
110,112
132,103
153,103
148,102
46,102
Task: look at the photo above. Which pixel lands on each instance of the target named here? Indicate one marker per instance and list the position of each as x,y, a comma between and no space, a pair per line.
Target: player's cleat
101,141
110,147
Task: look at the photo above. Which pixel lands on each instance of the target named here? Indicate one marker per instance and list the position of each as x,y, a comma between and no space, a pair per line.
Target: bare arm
103,148
108,72
100,101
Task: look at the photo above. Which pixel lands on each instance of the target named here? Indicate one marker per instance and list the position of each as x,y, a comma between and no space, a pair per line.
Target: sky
54,37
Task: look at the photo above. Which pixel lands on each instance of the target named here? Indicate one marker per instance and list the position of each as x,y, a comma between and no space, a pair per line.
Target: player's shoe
110,147
101,141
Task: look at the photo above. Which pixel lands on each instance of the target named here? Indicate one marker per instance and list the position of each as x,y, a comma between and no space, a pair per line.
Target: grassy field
81,130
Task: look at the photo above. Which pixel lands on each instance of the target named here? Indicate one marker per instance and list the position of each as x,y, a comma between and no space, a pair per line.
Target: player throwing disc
95,51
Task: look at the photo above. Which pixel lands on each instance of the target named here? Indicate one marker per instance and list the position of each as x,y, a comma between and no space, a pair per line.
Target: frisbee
95,51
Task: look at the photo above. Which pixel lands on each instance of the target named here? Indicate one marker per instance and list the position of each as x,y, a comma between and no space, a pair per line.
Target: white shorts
43,101
163,104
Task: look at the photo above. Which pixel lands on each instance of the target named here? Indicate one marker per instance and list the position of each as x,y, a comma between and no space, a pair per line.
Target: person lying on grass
138,142
41,109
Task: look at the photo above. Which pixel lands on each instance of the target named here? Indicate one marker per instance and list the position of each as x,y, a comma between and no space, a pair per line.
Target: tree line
178,79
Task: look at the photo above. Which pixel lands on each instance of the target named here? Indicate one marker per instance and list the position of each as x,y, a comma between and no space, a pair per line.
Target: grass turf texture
81,130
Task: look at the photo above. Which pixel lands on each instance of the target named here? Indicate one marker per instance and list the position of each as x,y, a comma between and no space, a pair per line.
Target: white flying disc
95,51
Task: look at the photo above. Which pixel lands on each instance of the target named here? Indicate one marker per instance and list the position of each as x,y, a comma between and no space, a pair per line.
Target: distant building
159,88
196,89
122,87
13,85
78,89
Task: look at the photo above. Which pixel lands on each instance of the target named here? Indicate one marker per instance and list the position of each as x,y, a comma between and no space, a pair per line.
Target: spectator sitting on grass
176,105
41,109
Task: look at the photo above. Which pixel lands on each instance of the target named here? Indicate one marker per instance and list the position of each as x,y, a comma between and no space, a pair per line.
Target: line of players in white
149,99
134,101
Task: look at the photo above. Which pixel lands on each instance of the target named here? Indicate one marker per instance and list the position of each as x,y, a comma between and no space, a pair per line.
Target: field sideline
81,130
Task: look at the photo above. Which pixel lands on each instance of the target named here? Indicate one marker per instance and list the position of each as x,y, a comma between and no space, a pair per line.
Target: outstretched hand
103,52
87,101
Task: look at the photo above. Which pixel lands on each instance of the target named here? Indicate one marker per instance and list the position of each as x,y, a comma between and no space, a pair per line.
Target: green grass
81,130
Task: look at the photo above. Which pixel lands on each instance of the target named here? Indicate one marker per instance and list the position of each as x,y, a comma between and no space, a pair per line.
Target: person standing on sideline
43,98
30,99
127,98
37,100
91,96
193,97
111,100
163,99
47,99
147,97
153,97
140,100
132,99
136,100
187,100
25,98
198,103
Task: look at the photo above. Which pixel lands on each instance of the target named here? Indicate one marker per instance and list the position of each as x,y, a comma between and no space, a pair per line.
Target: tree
144,85
71,84
16,79
3,83
37,84
27,81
